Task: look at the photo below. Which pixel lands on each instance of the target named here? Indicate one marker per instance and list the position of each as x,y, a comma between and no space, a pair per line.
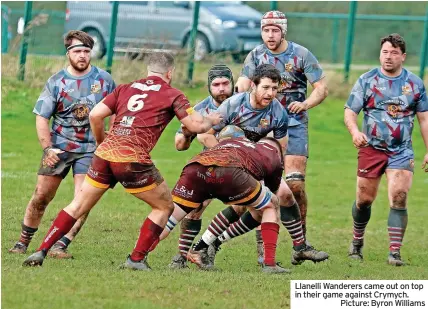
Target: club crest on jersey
264,123
80,112
406,90
95,88
393,110
289,67
149,82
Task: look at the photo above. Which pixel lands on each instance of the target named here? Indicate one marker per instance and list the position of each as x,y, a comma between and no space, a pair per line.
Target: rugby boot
36,259
200,258
212,251
136,265
277,269
356,249
178,262
59,252
394,258
19,248
308,253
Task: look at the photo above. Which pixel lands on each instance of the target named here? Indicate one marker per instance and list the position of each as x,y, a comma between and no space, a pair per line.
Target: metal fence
325,34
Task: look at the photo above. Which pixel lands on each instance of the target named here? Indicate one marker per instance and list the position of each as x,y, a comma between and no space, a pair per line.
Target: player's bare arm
44,135
358,138
96,118
183,140
423,123
319,93
196,123
243,84
284,142
208,139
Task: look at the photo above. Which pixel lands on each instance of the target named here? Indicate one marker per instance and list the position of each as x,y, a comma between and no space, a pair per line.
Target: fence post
24,43
273,5
334,41
113,24
4,29
424,48
192,38
350,37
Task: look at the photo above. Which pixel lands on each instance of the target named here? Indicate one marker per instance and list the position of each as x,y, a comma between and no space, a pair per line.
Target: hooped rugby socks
361,217
245,224
269,231
61,226
290,218
219,224
149,235
397,223
27,234
190,228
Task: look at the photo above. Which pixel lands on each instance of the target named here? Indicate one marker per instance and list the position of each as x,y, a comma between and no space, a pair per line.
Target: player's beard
79,66
221,97
276,46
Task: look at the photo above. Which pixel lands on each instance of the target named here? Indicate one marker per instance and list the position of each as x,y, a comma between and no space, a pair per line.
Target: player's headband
78,45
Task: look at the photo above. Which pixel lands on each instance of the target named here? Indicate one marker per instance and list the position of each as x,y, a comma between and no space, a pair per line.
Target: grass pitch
92,279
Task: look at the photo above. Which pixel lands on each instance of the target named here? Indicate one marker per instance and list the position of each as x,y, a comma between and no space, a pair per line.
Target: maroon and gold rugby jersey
260,159
143,109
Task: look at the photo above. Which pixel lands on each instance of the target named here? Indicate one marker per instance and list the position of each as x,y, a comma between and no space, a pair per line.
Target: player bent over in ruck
143,109
231,172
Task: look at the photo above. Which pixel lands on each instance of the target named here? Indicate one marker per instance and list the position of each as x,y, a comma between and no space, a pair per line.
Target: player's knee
364,202
296,182
399,199
41,200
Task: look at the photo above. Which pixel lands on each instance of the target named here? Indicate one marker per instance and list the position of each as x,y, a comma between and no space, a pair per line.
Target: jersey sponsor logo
95,88
241,195
406,90
364,171
122,131
144,87
127,121
381,88
135,183
183,191
68,90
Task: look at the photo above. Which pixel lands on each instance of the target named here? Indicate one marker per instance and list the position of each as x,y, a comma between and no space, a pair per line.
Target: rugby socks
245,224
219,224
259,238
290,218
27,234
63,242
61,226
270,231
397,223
149,236
361,217
170,225
190,228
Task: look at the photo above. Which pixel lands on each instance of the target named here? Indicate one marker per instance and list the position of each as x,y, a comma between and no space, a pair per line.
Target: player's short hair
396,40
274,142
266,71
160,62
82,36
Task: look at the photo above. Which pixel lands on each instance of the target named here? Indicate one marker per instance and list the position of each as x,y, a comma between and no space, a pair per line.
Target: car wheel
202,47
99,49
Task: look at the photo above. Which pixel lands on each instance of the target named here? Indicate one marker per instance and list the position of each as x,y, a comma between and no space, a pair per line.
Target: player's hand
215,118
51,156
360,140
425,163
297,107
186,132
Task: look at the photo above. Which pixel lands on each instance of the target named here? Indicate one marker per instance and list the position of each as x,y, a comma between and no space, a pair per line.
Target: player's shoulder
102,74
298,48
368,76
276,106
237,99
203,104
57,77
410,76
